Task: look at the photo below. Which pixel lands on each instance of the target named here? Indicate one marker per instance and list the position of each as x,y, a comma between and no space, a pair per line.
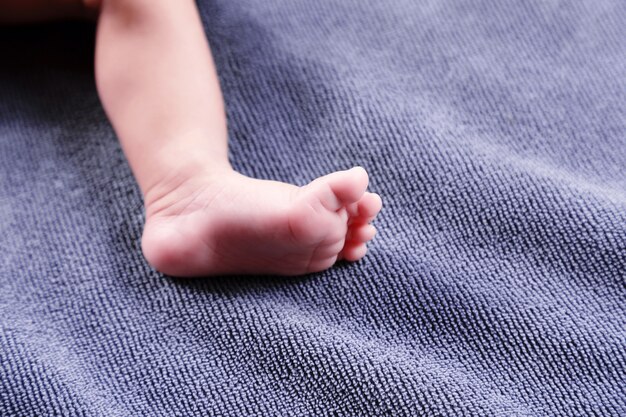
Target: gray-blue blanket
495,131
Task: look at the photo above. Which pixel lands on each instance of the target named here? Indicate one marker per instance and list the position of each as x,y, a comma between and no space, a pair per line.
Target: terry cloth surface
495,133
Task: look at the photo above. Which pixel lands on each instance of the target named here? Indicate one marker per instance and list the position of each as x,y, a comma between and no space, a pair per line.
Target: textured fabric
495,133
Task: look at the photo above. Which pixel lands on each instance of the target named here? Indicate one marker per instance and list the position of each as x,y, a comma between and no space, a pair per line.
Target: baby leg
159,87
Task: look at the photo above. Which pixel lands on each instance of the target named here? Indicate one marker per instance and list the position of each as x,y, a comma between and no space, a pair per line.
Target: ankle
177,185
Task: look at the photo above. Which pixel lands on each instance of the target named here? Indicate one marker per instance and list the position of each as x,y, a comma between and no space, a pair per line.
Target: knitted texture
495,131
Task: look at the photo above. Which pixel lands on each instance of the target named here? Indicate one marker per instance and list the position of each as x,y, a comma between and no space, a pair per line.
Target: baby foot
227,223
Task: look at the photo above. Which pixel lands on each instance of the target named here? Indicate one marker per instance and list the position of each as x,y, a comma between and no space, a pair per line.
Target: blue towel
495,131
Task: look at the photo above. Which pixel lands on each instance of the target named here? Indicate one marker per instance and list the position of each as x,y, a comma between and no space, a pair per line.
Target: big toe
342,187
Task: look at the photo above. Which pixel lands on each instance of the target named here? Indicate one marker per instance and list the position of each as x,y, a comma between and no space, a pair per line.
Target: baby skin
224,223
158,85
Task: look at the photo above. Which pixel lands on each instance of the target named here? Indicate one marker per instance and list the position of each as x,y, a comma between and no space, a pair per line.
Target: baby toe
369,206
352,210
361,233
340,188
353,252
